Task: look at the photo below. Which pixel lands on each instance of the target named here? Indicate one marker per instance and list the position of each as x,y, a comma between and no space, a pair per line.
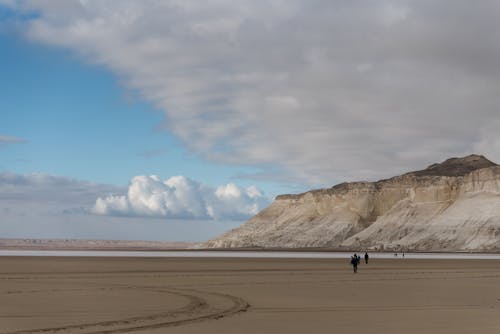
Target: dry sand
217,295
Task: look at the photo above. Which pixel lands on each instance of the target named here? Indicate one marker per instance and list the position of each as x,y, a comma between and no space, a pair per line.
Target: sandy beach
237,295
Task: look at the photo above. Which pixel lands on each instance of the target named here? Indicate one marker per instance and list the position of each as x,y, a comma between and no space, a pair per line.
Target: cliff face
454,205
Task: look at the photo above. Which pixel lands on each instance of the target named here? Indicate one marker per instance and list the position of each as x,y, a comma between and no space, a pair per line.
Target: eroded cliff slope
451,206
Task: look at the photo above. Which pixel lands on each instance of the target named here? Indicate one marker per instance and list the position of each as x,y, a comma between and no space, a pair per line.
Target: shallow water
250,254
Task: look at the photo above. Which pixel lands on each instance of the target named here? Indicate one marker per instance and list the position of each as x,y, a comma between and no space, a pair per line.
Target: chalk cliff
451,206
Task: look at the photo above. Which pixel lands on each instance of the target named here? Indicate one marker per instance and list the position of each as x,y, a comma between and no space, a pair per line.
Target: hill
450,206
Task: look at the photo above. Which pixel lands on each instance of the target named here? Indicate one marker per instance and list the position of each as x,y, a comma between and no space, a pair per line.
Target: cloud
489,140
36,194
45,206
178,197
7,140
182,198
323,90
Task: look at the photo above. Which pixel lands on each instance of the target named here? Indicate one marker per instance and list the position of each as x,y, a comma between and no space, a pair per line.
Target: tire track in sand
199,308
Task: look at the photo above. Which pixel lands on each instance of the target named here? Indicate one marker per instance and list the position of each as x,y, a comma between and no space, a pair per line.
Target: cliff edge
450,206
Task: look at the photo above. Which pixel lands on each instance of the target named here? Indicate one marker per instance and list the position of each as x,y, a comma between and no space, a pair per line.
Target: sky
177,120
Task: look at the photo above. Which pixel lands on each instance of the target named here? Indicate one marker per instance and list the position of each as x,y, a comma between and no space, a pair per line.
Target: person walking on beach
366,257
354,262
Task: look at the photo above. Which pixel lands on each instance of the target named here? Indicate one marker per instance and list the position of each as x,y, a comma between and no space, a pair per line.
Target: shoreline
194,254
83,245
238,250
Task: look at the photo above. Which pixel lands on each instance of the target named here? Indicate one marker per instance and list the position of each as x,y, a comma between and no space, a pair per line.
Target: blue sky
78,121
75,120
228,104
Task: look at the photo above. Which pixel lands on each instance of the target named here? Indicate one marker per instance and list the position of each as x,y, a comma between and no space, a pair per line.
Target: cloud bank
46,206
182,198
321,91
39,194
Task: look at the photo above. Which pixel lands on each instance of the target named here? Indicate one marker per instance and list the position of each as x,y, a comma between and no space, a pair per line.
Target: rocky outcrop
451,206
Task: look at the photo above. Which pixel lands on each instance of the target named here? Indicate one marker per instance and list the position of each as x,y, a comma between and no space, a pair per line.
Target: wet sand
238,295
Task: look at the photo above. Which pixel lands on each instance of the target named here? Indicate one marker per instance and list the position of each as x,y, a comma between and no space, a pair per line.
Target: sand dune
222,295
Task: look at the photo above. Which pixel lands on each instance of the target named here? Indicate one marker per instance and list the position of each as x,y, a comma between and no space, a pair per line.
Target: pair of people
356,259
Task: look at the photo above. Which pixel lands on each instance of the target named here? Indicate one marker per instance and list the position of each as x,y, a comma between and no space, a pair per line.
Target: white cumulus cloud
46,206
182,198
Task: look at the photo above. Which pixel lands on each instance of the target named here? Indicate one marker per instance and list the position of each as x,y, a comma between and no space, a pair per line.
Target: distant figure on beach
366,257
395,254
403,254
354,262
